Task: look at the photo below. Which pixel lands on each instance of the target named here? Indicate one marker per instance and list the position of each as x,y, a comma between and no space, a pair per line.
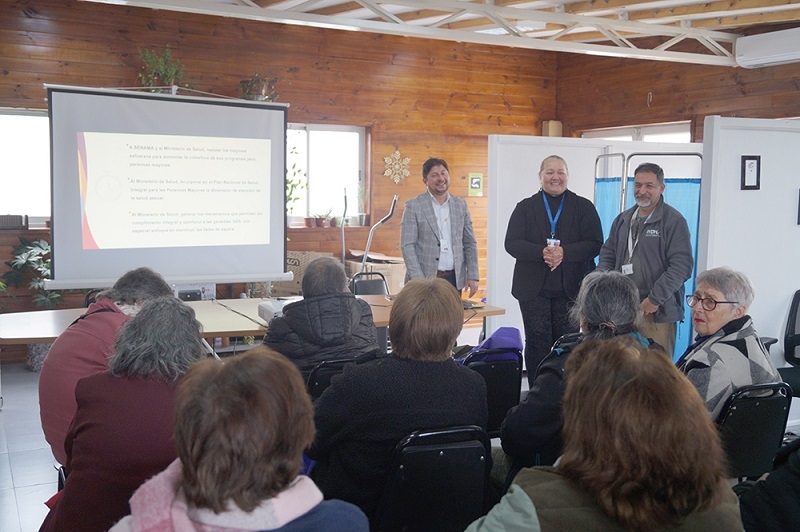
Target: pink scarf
159,505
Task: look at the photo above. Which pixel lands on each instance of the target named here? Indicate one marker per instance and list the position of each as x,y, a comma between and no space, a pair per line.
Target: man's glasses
706,302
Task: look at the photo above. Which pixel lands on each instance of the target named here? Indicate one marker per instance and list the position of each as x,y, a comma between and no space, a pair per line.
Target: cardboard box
296,262
395,273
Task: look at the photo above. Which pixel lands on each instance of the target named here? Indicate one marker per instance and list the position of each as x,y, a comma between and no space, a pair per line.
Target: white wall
754,231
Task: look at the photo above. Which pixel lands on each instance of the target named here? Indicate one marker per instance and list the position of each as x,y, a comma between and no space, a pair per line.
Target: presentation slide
171,191
191,186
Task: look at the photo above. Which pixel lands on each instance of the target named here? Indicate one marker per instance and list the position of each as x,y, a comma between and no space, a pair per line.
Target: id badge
551,242
627,269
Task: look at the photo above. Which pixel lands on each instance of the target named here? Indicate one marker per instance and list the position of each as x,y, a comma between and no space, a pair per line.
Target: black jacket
323,328
370,407
531,432
774,504
580,233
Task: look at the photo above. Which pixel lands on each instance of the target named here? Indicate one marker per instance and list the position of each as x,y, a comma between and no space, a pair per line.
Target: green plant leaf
32,256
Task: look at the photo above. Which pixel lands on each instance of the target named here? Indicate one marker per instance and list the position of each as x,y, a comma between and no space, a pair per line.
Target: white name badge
627,269
552,242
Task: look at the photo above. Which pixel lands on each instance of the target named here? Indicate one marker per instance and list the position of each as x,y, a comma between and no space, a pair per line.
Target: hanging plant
259,88
160,69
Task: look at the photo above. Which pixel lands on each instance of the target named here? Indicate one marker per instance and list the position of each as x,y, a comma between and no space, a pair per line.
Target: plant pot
319,222
309,222
294,221
36,355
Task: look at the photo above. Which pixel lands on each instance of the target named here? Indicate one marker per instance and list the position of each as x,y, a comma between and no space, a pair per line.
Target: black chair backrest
369,283
437,482
751,425
322,374
91,296
502,370
791,376
791,338
320,377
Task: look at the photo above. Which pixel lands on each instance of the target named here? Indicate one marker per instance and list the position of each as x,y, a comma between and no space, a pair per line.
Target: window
323,162
676,132
25,152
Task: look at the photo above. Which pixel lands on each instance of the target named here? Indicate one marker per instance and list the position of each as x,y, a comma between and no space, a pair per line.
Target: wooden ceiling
687,31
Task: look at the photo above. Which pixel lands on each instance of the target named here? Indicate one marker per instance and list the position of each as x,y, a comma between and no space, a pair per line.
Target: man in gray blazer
436,235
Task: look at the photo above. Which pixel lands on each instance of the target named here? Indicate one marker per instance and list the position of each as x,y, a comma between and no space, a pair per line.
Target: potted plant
321,219
31,258
259,88
160,69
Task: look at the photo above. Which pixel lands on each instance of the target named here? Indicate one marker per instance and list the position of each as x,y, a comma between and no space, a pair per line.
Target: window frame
638,132
34,221
362,182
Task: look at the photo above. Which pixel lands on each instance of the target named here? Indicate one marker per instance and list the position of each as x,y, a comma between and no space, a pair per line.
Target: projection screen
192,187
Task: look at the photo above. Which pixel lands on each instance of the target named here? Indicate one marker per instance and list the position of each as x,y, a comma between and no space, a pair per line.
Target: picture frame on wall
751,172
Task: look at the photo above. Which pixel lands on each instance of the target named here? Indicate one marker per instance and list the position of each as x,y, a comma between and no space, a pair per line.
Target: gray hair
735,286
324,276
607,303
556,157
161,341
653,168
137,286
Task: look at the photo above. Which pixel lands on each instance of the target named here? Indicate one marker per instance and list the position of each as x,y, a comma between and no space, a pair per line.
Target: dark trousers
546,319
449,276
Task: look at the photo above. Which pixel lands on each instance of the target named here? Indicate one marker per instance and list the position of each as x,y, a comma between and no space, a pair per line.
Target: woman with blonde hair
640,453
554,236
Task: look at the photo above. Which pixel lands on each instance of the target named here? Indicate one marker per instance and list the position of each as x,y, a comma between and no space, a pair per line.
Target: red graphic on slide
83,175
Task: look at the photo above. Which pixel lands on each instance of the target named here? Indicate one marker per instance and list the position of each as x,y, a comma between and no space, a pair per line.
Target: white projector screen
192,187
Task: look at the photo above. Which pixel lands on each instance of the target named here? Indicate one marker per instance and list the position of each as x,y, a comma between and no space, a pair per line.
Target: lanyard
553,221
631,242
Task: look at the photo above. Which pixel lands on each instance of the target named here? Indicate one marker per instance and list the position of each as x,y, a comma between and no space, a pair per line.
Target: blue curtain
682,194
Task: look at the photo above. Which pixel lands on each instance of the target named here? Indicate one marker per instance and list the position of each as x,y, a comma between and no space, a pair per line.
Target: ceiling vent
768,49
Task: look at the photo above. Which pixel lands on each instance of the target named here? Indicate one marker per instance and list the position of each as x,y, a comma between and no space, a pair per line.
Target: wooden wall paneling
598,92
425,97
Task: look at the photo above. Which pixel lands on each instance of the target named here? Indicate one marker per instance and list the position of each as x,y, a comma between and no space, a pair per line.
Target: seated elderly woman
84,347
727,353
607,305
640,453
370,407
240,431
122,431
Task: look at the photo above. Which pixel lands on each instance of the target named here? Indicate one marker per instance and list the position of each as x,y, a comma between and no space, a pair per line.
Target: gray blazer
419,239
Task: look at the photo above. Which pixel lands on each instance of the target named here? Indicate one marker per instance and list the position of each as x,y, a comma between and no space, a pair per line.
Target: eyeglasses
706,302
